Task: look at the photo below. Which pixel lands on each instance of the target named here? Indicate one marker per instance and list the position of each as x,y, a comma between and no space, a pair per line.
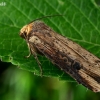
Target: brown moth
80,64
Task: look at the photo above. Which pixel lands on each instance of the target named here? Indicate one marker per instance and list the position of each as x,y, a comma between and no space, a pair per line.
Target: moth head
25,31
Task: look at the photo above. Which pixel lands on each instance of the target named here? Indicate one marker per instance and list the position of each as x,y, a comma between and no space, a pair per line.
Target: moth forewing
83,66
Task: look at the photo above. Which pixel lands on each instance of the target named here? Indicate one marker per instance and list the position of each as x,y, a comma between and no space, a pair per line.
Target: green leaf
80,23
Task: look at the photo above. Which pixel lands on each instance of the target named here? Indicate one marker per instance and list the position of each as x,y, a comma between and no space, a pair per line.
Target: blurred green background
81,23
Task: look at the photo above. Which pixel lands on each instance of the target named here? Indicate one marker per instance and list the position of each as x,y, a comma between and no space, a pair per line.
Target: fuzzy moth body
80,64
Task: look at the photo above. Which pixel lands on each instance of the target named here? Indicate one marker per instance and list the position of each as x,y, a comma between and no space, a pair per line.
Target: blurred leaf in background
80,23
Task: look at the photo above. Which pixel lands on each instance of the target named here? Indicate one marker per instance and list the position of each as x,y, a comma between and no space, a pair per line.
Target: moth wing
58,49
90,72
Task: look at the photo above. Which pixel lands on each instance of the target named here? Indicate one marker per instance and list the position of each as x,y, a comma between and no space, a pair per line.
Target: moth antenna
46,17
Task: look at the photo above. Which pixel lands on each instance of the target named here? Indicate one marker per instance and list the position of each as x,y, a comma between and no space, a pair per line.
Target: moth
70,57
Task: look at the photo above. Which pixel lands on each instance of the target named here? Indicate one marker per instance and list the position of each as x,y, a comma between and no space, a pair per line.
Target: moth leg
29,54
36,58
33,52
30,51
